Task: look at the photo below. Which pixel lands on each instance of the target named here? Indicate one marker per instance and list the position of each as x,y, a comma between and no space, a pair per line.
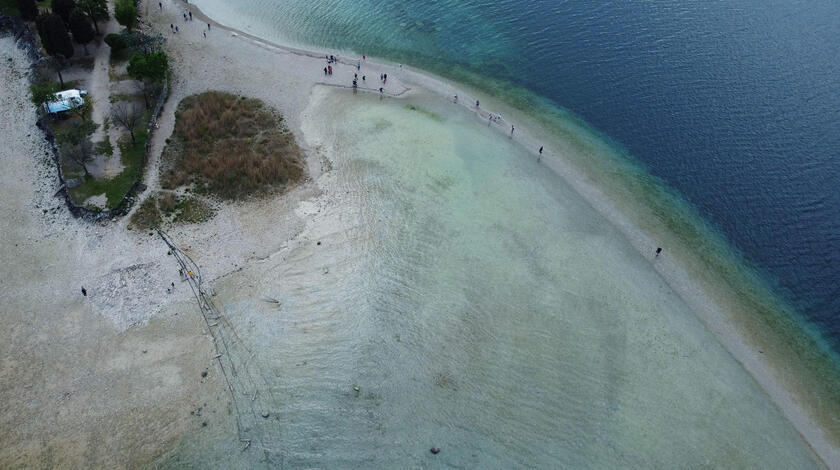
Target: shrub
115,42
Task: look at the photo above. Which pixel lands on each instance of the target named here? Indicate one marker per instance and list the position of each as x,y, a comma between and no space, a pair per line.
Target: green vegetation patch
230,147
165,206
117,187
104,147
146,216
192,211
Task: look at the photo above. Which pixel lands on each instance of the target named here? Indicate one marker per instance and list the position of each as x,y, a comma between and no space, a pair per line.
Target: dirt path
99,87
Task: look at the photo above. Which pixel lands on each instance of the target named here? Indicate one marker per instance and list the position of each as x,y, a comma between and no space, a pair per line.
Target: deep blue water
733,103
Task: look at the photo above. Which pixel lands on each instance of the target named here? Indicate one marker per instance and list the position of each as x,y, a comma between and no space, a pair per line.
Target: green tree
56,42
148,66
80,26
63,8
43,92
28,9
96,10
41,27
126,13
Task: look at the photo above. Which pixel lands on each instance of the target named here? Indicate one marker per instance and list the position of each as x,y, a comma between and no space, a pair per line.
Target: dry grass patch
231,147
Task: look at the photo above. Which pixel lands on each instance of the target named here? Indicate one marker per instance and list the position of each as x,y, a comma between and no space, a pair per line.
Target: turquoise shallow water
729,102
480,305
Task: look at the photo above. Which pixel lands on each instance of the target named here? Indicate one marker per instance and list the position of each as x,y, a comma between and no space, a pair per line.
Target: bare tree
75,144
81,153
128,116
83,111
148,89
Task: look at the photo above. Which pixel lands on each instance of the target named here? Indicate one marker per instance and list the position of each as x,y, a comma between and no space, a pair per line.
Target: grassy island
229,147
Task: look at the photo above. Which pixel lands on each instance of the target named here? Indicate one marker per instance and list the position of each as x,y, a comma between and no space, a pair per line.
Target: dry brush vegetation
231,147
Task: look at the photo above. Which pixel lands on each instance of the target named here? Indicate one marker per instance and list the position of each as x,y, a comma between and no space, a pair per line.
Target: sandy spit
111,379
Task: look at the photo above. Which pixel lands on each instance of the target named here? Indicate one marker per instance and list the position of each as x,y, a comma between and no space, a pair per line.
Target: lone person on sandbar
84,291
658,250
511,130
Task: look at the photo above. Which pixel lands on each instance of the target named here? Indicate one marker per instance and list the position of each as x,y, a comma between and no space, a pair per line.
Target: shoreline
235,239
711,309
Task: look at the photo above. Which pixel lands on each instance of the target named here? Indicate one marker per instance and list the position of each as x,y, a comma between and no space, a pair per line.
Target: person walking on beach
658,250
358,66
380,90
190,13
539,157
208,26
330,69
160,5
456,97
511,130
185,16
477,103
205,34
363,78
84,291
355,76
176,29
172,27
325,70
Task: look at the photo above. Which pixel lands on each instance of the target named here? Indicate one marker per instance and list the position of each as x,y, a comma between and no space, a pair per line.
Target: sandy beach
114,379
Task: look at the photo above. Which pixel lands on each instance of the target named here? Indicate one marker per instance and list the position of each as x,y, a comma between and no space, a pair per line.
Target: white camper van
65,100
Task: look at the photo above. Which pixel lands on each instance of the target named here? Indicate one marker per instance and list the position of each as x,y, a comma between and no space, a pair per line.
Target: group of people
187,17
331,59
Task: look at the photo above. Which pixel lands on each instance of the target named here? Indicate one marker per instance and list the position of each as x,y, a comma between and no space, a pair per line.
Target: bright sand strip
789,367
80,391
